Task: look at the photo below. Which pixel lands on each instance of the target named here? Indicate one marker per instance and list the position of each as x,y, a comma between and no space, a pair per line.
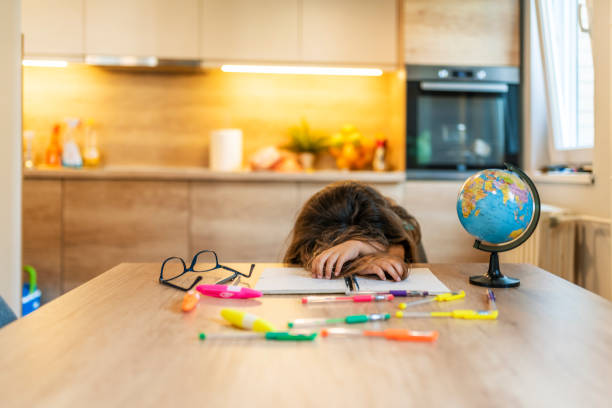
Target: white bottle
71,155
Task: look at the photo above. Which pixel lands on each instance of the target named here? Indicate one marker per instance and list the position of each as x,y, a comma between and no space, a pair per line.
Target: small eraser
391,297
402,306
399,314
324,333
304,300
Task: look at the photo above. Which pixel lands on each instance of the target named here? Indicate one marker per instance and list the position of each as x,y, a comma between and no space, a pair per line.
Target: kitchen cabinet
107,222
243,221
263,30
349,31
52,27
161,28
42,233
462,32
76,228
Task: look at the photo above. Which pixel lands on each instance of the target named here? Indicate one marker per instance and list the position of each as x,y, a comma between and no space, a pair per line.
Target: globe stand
494,278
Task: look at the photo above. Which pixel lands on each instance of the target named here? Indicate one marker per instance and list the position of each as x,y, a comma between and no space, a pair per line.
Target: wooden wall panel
433,203
242,221
110,222
462,32
42,232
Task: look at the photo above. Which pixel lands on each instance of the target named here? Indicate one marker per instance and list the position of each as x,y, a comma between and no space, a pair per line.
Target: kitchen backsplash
164,119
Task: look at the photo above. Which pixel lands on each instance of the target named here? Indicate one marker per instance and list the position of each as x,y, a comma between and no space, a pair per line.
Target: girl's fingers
329,265
399,267
318,264
339,263
388,269
378,271
393,270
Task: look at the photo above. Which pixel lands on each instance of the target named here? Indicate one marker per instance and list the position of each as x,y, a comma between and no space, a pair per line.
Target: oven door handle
463,87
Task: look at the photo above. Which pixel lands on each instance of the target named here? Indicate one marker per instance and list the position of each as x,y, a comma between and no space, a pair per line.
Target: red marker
356,298
228,292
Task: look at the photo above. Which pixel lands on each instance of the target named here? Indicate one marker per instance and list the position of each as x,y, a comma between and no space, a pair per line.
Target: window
567,58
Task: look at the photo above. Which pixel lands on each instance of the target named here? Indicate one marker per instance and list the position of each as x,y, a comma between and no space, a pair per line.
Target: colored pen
445,297
278,336
455,314
491,298
246,320
190,301
356,298
389,334
352,319
401,293
228,291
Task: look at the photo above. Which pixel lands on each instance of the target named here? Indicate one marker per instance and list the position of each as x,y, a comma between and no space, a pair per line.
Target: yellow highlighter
444,297
455,314
246,320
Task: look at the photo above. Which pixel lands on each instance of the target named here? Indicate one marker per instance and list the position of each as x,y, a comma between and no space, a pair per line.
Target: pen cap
411,335
246,320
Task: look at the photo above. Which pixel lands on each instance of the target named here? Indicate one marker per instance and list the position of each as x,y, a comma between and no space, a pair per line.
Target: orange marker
190,301
389,334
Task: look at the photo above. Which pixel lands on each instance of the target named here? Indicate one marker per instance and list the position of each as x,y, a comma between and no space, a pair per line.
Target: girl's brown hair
351,211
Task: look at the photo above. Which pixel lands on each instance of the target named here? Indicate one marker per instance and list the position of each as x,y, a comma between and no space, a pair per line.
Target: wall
163,118
10,153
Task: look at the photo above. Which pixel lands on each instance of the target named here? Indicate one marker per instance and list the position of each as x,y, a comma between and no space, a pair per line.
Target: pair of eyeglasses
204,261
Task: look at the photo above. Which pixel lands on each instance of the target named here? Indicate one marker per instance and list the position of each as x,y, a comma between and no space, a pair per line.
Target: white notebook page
284,281
419,279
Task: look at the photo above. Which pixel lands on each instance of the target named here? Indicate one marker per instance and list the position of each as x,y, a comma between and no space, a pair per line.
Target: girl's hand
332,259
381,265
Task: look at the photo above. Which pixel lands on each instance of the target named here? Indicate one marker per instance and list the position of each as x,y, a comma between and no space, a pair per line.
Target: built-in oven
461,118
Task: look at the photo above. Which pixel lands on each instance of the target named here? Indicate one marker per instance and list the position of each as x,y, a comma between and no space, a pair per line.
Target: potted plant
305,143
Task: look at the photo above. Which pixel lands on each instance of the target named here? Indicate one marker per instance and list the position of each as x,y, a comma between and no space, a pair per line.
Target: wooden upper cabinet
52,27
461,32
248,30
161,28
349,31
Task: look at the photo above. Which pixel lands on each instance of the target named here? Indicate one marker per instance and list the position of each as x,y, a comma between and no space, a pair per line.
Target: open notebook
287,281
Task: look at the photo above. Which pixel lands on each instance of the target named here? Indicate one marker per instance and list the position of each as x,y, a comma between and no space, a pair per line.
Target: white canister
225,150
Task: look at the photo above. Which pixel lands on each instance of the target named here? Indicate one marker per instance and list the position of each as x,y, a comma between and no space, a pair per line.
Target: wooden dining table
122,340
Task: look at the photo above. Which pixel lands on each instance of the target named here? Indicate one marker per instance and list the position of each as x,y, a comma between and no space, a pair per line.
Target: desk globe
501,209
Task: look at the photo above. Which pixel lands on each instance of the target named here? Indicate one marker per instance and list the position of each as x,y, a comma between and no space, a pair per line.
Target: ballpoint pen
491,298
355,298
352,319
400,293
455,314
445,297
278,336
389,334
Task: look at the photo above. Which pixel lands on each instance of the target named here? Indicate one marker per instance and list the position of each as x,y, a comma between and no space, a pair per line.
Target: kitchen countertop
200,173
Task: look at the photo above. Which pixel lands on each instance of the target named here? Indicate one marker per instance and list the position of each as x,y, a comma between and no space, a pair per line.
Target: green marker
278,336
352,319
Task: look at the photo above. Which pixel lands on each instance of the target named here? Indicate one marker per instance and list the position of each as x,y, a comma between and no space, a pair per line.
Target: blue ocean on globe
495,206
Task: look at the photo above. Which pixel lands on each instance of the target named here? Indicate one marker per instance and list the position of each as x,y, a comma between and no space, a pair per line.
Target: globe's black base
494,278
501,282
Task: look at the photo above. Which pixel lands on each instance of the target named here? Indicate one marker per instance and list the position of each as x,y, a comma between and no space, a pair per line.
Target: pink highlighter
228,292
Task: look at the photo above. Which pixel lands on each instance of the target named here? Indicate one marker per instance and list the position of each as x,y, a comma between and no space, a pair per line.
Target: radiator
574,247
